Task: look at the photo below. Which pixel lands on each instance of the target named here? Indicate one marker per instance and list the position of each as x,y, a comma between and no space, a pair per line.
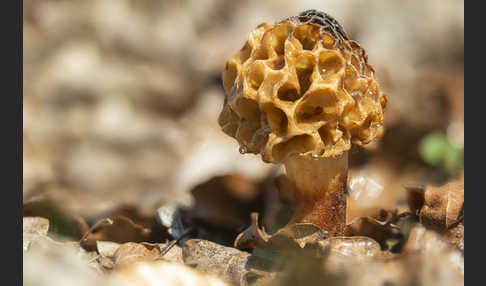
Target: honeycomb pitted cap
301,86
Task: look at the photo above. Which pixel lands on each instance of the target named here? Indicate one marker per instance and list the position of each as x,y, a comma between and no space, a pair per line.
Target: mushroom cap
301,86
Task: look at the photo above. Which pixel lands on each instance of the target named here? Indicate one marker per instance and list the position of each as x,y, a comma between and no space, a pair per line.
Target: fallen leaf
253,236
359,248
360,261
290,237
444,206
377,230
121,230
114,254
440,208
294,236
107,248
131,252
230,264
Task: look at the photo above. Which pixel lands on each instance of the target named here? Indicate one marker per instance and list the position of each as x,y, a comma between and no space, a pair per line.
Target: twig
102,222
172,243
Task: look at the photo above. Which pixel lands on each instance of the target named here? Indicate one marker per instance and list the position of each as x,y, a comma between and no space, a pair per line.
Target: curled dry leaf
295,236
130,252
370,227
107,248
228,263
292,236
121,230
253,236
358,248
161,273
116,255
444,206
440,208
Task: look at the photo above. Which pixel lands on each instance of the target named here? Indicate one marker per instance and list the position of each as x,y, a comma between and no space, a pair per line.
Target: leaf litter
392,247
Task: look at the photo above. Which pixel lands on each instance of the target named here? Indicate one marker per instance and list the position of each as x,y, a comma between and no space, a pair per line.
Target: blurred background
121,98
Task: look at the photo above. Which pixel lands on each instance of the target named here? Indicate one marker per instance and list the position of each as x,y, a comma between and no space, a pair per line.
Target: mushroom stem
320,191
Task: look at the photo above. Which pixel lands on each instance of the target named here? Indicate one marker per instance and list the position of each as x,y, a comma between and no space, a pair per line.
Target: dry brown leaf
358,248
107,248
228,263
253,236
359,261
295,236
444,206
173,255
131,252
121,230
290,237
113,254
440,208
370,227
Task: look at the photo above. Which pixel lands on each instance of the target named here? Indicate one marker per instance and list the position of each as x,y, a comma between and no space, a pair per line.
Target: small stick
172,243
105,221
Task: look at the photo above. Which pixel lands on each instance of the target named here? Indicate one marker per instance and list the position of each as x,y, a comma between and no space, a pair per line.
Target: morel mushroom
298,93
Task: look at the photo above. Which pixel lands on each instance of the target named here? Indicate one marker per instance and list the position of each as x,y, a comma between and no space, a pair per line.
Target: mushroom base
320,191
